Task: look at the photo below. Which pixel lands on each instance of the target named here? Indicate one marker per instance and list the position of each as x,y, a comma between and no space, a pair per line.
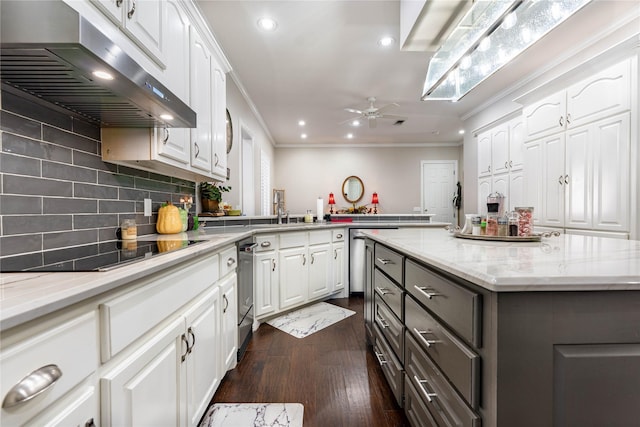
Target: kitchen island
506,334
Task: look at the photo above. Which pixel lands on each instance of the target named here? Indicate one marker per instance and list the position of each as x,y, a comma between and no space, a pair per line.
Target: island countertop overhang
565,263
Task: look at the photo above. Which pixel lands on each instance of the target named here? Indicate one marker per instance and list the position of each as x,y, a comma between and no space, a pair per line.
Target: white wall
243,116
394,173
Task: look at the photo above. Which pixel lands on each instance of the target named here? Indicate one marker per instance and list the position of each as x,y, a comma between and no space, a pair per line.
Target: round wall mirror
352,189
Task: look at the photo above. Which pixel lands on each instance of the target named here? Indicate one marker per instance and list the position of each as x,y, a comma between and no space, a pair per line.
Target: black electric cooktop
94,257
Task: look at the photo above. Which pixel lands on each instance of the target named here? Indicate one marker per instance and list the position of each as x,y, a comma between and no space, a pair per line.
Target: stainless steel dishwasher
356,257
245,294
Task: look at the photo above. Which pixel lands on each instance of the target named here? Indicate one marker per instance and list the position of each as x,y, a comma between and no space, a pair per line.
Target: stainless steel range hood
50,51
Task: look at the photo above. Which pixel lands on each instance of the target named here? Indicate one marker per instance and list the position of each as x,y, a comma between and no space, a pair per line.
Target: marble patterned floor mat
304,322
253,415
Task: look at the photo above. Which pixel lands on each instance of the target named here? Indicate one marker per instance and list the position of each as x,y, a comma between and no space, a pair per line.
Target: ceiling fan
373,113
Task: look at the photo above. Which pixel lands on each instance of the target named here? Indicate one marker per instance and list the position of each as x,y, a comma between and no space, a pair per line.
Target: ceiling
324,57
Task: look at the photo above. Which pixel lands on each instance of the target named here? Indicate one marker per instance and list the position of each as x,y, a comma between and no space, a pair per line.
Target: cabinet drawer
390,365
337,235
127,317
390,262
415,409
228,260
266,242
390,326
294,240
389,293
458,362
319,236
444,404
71,345
457,306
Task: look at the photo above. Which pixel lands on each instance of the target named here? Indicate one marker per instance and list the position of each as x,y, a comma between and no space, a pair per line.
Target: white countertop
565,263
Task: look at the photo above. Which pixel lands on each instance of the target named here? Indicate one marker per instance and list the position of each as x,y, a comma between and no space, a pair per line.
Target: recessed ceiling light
103,75
267,24
349,136
355,123
386,41
303,136
461,132
166,116
301,123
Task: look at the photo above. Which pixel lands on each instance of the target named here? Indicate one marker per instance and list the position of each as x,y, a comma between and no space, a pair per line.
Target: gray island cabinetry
506,334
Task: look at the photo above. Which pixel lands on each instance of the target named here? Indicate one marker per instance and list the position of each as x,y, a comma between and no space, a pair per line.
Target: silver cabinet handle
384,261
424,290
226,303
118,3
568,118
560,180
506,165
230,262
265,244
489,168
510,163
304,259
90,423
274,265
383,291
382,322
427,394
133,10
338,236
166,135
561,121
193,342
32,385
566,179
427,342
197,149
187,351
217,159
380,356
335,254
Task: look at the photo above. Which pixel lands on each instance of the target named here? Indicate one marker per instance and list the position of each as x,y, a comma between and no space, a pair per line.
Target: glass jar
503,226
308,217
483,226
475,226
525,221
492,225
468,225
128,229
513,224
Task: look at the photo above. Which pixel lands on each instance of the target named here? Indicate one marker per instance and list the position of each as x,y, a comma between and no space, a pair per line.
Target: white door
439,180
294,276
553,184
319,271
265,283
578,178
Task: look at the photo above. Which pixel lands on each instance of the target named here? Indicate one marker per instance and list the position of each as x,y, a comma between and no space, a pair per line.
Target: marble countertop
26,296
564,263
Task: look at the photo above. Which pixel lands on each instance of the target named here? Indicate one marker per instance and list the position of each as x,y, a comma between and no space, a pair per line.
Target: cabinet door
500,149
294,283
607,92
516,144
219,161
553,184
229,324
532,178
516,191
484,154
201,91
611,176
80,409
265,283
484,189
500,184
319,270
203,359
143,20
338,266
147,388
545,117
112,9
578,178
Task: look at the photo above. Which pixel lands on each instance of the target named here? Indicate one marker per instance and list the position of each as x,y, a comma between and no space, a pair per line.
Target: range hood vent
49,51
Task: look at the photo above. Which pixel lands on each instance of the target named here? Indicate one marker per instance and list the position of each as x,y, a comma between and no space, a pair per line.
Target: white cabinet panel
82,409
553,181
338,266
201,101
516,190
545,116
500,184
219,127
294,279
484,189
319,270
578,179
516,144
484,154
532,178
229,324
500,149
265,283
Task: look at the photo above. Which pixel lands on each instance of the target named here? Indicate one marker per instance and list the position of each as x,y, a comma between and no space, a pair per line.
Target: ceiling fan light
386,41
267,24
301,123
349,136
355,123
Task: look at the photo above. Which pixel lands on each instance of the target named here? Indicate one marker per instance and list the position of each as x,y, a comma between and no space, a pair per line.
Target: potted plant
211,195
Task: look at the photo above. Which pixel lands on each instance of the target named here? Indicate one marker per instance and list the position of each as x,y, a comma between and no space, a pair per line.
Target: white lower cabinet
319,270
294,277
229,314
81,408
265,282
338,267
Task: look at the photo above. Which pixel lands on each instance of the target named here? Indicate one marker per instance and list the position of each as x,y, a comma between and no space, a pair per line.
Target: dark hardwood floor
331,373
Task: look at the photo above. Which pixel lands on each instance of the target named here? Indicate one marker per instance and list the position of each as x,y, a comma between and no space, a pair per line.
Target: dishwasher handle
247,247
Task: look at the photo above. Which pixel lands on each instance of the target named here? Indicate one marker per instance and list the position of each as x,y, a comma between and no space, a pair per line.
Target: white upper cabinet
219,125
484,154
500,149
201,102
142,20
601,95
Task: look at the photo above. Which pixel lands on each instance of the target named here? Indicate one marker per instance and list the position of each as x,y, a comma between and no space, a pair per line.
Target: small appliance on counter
495,204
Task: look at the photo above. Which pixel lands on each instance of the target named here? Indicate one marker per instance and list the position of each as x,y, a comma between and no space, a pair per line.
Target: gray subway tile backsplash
56,191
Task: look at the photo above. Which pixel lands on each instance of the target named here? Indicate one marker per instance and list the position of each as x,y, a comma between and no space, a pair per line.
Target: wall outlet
147,207
416,209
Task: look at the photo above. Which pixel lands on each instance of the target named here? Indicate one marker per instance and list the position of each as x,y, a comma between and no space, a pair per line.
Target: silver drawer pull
424,290
32,385
382,322
338,236
265,244
384,261
383,291
428,395
427,342
230,262
380,356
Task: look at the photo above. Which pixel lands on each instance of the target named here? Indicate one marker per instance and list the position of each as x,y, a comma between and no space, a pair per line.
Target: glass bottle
475,222
492,224
503,226
513,224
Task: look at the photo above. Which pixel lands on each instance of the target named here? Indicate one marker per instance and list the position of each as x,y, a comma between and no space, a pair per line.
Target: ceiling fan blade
348,121
386,107
351,110
372,122
392,116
